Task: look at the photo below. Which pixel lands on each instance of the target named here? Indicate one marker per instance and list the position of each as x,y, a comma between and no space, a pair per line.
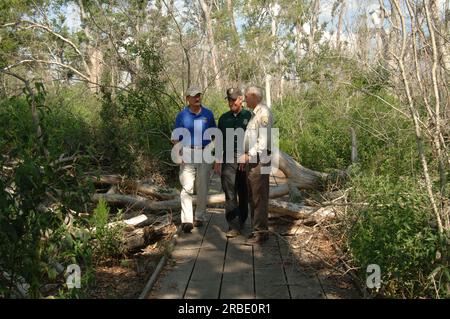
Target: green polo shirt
230,120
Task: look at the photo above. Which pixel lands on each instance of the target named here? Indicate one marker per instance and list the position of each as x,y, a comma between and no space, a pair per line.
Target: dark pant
258,194
234,184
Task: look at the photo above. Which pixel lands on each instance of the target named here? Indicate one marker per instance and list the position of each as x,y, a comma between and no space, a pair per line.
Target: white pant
198,176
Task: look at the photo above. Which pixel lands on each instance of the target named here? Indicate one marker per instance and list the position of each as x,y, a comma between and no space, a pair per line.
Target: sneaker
187,227
232,233
198,223
257,239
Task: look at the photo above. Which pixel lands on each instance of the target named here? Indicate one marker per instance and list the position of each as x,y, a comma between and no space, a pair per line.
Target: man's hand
243,160
179,156
218,168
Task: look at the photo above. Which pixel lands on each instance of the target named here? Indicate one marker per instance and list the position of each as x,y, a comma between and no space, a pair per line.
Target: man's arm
218,163
175,138
178,124
264,133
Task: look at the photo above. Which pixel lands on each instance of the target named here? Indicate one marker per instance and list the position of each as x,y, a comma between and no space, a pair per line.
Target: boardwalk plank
237,280
215,237
207,275
194,239
270,281
173,282
205,264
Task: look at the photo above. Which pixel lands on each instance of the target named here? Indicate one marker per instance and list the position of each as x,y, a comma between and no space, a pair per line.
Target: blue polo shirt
196,124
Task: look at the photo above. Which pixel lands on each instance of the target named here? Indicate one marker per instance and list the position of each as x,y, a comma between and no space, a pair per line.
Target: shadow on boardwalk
207,265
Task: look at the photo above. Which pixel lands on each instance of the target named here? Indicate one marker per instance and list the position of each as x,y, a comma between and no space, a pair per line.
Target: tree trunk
299,176
232,22
339,27
362,39
354,156
267,80
210,34
96,66
298,31
314,24
413,110
94,54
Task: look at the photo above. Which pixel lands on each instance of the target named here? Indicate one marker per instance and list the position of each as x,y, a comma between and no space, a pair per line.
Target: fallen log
141,237
138,203
107,179
112,190
173,204
160,193
298,175
276,207
137,238
282,208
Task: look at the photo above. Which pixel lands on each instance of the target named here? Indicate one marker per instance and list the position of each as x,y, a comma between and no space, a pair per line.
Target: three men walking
244,165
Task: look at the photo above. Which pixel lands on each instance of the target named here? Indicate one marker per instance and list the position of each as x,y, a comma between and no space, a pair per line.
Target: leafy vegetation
102,98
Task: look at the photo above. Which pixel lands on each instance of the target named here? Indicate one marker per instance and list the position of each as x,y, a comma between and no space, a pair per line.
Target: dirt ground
127,277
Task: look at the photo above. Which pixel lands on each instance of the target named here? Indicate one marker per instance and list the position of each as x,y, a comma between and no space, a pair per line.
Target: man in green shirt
234,180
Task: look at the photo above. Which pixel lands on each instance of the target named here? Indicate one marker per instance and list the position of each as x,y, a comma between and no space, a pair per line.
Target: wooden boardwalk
207,265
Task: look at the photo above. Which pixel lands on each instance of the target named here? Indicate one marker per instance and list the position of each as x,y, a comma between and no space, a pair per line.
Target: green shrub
317,136
36,198
394,231
37,195
108,239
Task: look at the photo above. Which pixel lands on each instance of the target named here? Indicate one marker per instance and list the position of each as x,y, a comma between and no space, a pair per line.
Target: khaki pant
194,176
258,194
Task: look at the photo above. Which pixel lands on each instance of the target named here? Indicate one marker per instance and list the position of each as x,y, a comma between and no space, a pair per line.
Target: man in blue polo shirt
194,171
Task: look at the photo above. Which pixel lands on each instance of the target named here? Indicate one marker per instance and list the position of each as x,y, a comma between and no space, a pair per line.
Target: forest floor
313,247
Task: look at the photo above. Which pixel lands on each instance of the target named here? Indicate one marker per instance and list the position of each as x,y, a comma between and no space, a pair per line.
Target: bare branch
33,25
85,77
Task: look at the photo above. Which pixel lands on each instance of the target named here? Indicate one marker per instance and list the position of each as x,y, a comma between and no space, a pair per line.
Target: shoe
187,227
235,224
233,233
198,223
257,239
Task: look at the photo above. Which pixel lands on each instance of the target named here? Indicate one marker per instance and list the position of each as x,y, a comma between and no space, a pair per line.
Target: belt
197,147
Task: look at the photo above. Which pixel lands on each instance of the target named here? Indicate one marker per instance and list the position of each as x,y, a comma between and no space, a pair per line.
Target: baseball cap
193,91
233,93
